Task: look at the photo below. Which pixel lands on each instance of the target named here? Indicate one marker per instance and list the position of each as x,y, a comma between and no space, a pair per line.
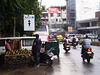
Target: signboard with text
70,29
29,23
53,10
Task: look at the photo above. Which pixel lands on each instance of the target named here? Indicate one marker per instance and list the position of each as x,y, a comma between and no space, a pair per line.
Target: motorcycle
46,57
88,55
67,47
74,45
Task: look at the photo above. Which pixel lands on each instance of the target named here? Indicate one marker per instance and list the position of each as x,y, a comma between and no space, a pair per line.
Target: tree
11,14
43,7
65,26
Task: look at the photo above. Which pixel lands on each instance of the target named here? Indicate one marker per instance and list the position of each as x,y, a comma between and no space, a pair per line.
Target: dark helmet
66,37
7,40
86,36
37,36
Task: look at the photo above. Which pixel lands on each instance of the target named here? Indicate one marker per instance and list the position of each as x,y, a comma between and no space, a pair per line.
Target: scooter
67,47
88,55
46,57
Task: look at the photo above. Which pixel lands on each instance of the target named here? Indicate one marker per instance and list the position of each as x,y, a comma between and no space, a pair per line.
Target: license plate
89,52
67,48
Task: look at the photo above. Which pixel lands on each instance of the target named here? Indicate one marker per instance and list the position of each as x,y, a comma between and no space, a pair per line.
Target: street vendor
7,46
37,44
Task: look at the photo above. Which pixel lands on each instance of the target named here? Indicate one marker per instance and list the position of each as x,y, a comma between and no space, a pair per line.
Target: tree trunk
14,30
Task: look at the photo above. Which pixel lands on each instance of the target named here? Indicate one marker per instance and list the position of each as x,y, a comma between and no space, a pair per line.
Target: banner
53,10
70,29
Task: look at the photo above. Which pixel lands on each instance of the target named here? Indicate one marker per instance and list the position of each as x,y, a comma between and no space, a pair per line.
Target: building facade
71,13
97,14
90,25
54,16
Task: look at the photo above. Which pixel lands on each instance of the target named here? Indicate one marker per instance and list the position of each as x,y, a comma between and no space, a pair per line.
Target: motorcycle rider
86,43
73,40
66,41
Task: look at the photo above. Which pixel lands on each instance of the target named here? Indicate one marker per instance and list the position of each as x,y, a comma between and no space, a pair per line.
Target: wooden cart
19,60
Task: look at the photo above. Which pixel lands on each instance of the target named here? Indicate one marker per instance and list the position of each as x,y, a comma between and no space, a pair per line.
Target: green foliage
43,7
17,8
65,26
17,34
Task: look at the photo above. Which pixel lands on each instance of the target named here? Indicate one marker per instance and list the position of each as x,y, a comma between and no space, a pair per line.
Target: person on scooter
37,44
66,41
86,43
73,40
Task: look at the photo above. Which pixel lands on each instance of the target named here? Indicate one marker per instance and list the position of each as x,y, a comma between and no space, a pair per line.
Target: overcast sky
85,8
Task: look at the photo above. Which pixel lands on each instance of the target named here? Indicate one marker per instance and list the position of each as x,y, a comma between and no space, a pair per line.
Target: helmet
86,36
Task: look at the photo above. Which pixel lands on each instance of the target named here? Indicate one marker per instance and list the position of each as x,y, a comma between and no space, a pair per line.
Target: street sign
29,23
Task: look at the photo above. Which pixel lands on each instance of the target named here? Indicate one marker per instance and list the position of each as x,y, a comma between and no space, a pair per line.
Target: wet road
69,63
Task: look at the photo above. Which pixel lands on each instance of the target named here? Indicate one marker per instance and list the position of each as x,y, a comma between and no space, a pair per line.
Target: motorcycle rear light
67,46
89,50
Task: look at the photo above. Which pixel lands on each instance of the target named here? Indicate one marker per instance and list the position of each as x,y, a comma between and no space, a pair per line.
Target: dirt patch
96,43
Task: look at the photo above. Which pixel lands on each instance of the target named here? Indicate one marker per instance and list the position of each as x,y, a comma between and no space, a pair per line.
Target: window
51,15
60,20
72,19
53,26
72,14
94,23
45,15
56,20
64,19
44,19
59,14
42,28
27,42
58,25
2,42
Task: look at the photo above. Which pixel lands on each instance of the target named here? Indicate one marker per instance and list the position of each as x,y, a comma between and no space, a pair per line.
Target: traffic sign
29,23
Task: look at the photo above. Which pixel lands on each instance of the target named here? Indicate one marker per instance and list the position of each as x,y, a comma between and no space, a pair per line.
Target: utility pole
61,7
67,10
14,30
